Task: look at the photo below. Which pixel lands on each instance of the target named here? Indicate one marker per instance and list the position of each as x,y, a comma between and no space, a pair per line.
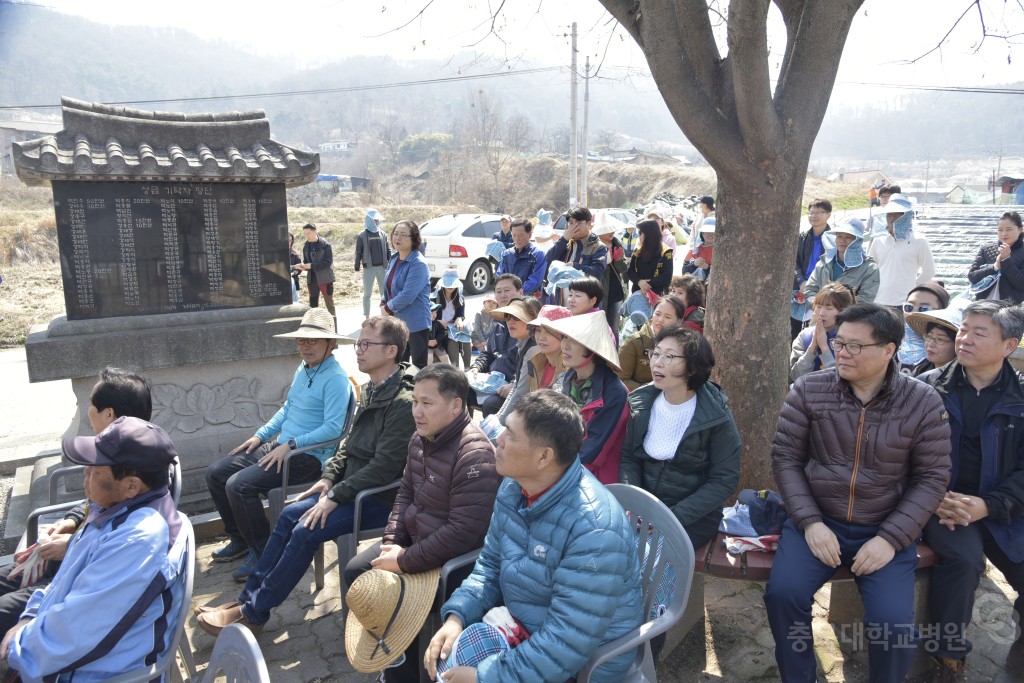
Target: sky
530,33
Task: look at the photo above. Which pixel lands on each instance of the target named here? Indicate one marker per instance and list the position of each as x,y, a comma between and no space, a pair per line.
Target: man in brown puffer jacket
861,457
443,507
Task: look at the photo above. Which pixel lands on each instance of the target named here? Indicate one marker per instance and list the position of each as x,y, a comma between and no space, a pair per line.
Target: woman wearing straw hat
545,366
682,444
938,329
517,316
407,289
634,367
590,381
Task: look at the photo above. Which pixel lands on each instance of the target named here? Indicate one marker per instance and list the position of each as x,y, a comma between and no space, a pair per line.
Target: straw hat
548,313
950,318
515,308
607,224
386,613
592,331
317,323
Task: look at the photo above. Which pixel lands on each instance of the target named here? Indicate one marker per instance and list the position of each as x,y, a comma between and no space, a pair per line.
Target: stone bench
845,606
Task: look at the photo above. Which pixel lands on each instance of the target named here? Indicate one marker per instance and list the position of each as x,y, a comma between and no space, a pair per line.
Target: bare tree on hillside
498,138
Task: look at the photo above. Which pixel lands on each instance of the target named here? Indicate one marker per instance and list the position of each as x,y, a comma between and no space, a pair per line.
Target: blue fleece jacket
408,296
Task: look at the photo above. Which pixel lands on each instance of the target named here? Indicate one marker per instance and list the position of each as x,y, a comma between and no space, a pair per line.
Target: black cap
127,441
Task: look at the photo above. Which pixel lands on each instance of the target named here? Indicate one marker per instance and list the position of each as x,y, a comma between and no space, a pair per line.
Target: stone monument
173,238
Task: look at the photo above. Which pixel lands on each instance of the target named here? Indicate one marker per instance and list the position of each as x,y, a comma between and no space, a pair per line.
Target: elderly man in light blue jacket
559,555
114,603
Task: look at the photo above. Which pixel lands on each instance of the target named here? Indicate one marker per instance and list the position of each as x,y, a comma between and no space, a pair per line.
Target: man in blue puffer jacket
559,555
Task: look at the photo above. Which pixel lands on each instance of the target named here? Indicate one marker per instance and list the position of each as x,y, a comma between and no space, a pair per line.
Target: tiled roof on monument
103,142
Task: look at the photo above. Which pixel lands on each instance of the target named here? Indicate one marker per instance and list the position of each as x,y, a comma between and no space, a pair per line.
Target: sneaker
241,575
946,670
235,549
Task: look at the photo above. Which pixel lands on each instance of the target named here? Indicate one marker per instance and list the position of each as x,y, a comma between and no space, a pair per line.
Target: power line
319,91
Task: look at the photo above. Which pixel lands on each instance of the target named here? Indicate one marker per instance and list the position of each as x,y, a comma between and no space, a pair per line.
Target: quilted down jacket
445,500
883,464
567,568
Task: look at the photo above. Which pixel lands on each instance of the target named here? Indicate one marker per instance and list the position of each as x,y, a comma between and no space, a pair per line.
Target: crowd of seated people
558,573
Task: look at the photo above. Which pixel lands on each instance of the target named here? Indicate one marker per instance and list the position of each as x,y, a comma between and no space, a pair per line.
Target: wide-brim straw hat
590,330
515,308
386,613
607,224
950,318
317,323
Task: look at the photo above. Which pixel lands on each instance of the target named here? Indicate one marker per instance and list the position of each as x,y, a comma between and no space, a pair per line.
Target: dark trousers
409,670
13,598
954,582
290,551
416,350
457,349
888,596
794,328
236,483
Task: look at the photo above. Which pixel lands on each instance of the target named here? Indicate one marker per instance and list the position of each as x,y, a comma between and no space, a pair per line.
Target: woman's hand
1004,253
820,340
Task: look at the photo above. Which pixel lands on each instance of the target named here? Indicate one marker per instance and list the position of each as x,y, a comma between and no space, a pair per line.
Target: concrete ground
303,640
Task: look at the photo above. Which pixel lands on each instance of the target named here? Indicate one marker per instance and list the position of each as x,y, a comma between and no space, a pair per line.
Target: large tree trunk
749,294
758,139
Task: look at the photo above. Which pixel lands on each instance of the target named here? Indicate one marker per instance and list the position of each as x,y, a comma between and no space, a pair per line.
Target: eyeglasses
937,340
852,348
656,355
509,316
923,308
400,235
306,342
365,344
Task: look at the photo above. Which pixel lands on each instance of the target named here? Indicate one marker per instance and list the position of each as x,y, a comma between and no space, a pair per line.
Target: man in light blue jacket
559,555
314,412
114,603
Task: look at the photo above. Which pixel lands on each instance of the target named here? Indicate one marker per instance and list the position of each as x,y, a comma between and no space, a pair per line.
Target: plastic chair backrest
168,658
237,656
662,543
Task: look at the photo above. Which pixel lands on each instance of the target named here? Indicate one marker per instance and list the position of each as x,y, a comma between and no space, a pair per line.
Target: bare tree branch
414,18
748,47
938,45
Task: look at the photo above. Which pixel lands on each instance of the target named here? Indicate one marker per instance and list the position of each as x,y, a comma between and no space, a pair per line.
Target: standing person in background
611,282
545,231
505,234
630,239
294,260
998,269
578,246
318,261
482,322
650,268
904,258
660,216
407,289
707,208
523,259
844,261
808,252
448,293
877,222
697,261
372,255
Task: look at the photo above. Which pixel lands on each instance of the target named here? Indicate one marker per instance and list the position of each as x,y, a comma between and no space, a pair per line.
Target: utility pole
586,118
573,183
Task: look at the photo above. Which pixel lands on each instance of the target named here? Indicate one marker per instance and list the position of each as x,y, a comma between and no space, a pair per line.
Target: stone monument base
216,376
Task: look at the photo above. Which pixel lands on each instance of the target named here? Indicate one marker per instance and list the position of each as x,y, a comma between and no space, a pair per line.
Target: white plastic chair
237,656
652,521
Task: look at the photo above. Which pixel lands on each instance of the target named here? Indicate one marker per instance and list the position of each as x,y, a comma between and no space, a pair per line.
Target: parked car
460,240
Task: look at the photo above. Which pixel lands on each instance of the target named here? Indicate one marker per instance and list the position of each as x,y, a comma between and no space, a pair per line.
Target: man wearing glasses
808,253
861,457
313,413
373,454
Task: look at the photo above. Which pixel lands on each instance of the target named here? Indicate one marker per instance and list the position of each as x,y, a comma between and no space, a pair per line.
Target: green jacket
705,471
375,451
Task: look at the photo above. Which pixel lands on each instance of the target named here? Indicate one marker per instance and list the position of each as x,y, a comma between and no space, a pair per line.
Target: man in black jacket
317,260
808,253
982,514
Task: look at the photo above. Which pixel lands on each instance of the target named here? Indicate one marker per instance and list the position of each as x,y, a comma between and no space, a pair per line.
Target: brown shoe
946,670
216,621
203,609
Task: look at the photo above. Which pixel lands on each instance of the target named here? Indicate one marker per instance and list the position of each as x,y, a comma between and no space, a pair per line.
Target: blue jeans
290,551
888,596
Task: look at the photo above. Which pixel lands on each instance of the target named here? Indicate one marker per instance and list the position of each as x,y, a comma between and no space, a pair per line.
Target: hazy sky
535,33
